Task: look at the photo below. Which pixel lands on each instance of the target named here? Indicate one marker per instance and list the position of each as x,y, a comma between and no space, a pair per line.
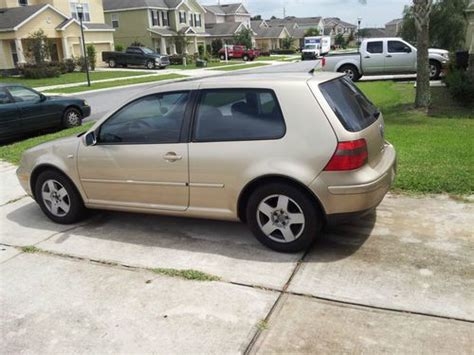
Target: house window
115,21
191,20
197,20
155,19
165,18
87,15
23,2
182,17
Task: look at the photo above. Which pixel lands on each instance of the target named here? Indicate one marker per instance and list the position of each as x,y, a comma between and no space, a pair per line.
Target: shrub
216,45
40,71
460,84
81,63
265,54
70,65
91,56
119,48
201,51
176,59
283,51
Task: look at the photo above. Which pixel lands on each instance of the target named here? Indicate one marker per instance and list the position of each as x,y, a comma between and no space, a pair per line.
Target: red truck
238,52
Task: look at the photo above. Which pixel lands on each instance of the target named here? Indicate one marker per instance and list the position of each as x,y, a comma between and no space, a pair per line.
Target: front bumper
86,111
24,178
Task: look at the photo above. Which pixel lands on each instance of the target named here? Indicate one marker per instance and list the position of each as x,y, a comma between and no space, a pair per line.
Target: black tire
300,203
150,65
435,70
124,65
76,211
222,57
112,63
351,71
245,58
72,117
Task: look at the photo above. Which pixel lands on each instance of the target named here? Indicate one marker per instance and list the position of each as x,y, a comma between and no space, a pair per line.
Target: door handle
172,157
367,57
388,56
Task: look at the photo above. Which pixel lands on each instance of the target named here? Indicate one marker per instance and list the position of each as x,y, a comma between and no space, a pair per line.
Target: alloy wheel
73,118
280,218
55,198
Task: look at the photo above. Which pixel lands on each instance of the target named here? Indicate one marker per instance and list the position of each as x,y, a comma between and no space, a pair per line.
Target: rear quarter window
353,109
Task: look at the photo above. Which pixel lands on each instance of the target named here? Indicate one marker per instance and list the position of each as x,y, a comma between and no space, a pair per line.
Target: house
59,21
301,22
226,31
168,26
269,37
470,30
372,33
334,26
393,27
230,13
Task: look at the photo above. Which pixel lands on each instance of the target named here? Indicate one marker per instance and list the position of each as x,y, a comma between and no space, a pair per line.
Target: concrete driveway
398,281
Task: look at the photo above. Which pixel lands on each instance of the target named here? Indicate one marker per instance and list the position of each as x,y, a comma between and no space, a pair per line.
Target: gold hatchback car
284,153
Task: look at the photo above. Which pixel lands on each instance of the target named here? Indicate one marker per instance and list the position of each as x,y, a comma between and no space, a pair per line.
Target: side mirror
408,50
90,139
42,98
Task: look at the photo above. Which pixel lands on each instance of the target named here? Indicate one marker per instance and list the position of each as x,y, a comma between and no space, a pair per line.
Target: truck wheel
435,70
112,63
351,71
150,64
246,58
222,57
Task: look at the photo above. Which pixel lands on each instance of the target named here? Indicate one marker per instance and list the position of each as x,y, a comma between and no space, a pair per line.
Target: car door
10,123
400,58
373,58
33,113
141,156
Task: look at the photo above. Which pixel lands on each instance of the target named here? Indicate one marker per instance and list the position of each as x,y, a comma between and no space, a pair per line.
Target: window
115,21
238,114
155,19
73,5
21,94
375,47
4,97
350,105
165,18
398,47
182,17
153,119
23,2
191,18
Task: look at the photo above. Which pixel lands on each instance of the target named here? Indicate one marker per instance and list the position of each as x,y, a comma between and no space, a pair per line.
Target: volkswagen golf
284,153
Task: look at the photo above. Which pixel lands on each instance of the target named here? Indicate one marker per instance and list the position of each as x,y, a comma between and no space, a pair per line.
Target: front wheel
72,118
246,58
351,71
435,70
150,64
112,63
222,57
283,218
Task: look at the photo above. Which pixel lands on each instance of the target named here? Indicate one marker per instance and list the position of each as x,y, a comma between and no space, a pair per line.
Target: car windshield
351,106
311,46
148,50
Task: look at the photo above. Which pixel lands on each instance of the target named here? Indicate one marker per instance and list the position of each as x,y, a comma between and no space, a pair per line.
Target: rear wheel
58,198
222,57
72,118
112,63
246,58
435,70
283,218
351,71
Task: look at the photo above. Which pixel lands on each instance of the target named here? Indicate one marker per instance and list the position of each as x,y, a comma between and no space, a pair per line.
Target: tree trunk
422,10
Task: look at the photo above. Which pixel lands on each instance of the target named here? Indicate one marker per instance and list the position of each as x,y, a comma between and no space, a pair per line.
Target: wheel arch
37,171
72,106
266,179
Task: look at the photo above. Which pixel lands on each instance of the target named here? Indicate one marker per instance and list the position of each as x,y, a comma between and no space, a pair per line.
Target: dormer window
182,17
23,2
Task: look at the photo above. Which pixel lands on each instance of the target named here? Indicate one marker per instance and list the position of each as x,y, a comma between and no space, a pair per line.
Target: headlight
85,103
157,60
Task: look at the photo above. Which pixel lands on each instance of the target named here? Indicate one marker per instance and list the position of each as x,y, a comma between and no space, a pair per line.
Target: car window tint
398,47
152,119
375,47
21,94
4,98
350,105
238,114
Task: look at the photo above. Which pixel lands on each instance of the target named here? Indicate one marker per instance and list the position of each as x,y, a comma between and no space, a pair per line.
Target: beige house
392,28
58,19
162,25
230,13
470,29
334,26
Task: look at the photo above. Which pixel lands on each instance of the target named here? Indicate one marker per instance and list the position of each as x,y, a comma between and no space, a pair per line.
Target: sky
375,14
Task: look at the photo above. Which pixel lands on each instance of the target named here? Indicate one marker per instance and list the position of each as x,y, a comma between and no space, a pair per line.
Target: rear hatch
353,116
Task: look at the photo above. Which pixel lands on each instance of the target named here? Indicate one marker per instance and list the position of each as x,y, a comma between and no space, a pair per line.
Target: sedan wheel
72,118
150,65
55,198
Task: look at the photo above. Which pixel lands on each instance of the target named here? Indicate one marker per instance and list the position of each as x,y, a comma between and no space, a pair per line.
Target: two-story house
393,27
163,25
59,21
334,26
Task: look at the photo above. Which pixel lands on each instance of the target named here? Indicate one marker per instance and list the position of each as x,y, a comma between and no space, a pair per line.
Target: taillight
323,61
349,156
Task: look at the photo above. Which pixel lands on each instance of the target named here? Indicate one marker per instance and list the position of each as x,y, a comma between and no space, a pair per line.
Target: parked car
138,56
384,56
238,52
284,155
24,110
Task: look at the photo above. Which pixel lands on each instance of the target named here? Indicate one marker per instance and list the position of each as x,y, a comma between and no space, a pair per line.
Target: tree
421,13
91,56
39,46
244,37
216,46
273,18
339,40
313,31
287,43
256,18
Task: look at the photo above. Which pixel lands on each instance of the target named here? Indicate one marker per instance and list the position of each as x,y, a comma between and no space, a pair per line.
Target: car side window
375,47
4,97
398,47
153,119
238,114
21,94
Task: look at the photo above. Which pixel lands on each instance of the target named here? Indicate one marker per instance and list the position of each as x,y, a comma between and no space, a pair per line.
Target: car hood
438,51
55,144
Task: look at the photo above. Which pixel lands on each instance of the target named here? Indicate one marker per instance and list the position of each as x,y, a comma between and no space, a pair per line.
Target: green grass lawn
111,84
193,66
71,78
435,153
279,58
243,66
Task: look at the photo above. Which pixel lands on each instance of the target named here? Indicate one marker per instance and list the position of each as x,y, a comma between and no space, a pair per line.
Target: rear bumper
370,186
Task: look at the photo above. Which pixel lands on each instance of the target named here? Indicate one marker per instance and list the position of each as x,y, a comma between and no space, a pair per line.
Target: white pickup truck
383,56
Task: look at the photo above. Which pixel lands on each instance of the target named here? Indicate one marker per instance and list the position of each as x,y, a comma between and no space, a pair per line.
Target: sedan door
141,157
10,124
400,58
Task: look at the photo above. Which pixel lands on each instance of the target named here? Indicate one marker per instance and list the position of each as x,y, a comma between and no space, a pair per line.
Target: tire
124,65
51,187
435,70
150,65
351,71
72,117
222,57
273,227
112,63
246,58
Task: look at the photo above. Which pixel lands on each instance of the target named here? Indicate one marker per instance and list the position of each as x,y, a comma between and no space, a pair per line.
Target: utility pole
80,13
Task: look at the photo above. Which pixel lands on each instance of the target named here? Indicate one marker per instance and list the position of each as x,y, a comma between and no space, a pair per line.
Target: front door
400,58
140,159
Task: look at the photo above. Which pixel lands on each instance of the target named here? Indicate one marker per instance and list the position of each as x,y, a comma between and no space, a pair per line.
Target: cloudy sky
375,14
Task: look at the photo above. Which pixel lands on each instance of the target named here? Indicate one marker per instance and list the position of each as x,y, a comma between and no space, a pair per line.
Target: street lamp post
359,20
80,13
